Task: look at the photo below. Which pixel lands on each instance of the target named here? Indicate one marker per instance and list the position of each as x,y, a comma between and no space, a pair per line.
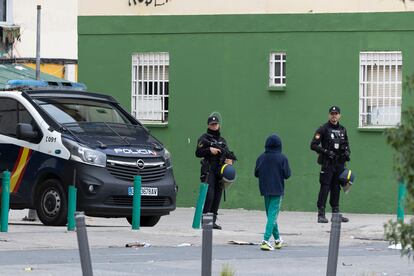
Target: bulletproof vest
336,140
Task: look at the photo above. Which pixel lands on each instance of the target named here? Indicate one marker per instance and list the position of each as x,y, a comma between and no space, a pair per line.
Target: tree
401,139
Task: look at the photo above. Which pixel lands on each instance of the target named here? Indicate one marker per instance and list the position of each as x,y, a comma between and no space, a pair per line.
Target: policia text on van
47,134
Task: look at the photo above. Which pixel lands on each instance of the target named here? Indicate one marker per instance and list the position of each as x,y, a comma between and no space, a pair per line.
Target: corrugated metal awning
21,72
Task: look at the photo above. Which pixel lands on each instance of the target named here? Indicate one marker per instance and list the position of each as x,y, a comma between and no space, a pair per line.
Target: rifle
225,152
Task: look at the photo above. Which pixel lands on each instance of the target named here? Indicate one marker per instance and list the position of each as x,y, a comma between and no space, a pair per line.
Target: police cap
213,120
334,109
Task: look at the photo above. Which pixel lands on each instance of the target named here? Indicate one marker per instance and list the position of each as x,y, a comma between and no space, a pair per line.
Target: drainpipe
38,44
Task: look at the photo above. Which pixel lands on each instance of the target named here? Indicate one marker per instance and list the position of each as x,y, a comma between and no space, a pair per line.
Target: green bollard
136,203
71,207
401,201
200,204
5,201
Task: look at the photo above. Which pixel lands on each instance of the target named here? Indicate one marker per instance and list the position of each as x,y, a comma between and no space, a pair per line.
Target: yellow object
222,168
349,175
57,70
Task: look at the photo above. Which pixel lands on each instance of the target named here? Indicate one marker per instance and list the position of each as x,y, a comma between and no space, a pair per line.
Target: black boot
321,216
215,225
343,219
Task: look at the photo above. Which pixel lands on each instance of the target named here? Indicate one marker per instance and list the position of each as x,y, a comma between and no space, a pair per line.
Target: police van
53,135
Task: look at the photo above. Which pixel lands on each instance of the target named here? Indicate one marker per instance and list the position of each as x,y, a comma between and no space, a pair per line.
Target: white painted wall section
196,7
58,28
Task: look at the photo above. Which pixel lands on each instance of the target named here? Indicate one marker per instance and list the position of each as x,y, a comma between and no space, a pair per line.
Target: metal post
401,201
72,203
334,244
83,244
200,204
5,202
38,44
136,203
207,244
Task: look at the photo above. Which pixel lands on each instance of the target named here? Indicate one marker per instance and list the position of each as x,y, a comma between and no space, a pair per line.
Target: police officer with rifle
331,143
213,150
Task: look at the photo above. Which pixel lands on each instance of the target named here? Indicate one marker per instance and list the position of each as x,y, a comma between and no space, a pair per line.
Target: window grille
380,89
277,70
150,87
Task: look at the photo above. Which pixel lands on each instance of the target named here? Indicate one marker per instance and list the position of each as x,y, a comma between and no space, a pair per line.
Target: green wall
220,63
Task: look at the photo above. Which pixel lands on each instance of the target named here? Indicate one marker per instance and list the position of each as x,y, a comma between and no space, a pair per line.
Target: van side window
8,117
11,113
25,117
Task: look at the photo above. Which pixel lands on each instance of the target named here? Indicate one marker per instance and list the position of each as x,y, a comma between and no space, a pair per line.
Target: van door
19,139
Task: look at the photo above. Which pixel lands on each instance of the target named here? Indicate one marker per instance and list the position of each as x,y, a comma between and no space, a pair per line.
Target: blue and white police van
56,135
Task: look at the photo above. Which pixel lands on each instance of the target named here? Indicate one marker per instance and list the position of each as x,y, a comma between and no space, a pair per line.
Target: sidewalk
297,229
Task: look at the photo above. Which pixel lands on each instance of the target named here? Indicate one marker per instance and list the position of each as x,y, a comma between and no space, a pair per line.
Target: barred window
380,89
150,87
277,69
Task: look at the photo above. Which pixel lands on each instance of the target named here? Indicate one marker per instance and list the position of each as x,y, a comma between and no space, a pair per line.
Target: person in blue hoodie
272,168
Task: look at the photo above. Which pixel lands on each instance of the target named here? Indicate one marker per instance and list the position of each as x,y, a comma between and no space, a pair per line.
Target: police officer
213,150
331,143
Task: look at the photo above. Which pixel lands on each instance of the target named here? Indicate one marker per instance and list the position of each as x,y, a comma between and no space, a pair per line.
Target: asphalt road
370,260
30,248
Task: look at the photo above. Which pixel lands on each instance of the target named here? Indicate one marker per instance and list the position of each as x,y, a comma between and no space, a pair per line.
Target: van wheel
52,204
147,221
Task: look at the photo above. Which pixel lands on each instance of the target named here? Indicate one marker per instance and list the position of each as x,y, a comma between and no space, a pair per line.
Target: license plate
145,191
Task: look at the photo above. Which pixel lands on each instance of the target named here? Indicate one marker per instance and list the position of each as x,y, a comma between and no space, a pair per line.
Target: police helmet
346,179
228,175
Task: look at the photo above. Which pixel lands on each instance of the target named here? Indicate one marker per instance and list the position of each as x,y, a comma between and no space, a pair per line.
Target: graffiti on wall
156,3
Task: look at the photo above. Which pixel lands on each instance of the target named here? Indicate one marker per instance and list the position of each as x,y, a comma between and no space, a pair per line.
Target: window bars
380,89
277,69
150,87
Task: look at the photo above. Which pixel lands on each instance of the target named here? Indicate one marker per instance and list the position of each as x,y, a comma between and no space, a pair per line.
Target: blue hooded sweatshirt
272,168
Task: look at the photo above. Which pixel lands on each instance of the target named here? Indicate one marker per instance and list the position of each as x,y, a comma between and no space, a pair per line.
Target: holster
320,158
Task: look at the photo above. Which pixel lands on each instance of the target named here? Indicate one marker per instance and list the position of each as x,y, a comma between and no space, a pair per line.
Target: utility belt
325,160
210,162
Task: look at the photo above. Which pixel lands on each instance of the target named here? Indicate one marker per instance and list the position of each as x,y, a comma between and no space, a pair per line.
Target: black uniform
210,168
331,143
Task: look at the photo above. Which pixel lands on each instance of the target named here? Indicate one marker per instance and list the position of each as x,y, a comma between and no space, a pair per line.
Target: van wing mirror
25,132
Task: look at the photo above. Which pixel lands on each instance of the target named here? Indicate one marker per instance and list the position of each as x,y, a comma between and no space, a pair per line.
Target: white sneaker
266,246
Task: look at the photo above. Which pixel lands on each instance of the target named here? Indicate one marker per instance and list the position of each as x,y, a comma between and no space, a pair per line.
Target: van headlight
84,154
167,158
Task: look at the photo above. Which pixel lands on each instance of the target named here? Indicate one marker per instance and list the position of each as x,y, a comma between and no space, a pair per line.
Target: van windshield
95,122
67,111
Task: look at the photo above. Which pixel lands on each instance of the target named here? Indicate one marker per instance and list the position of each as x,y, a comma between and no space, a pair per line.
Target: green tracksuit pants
272,204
